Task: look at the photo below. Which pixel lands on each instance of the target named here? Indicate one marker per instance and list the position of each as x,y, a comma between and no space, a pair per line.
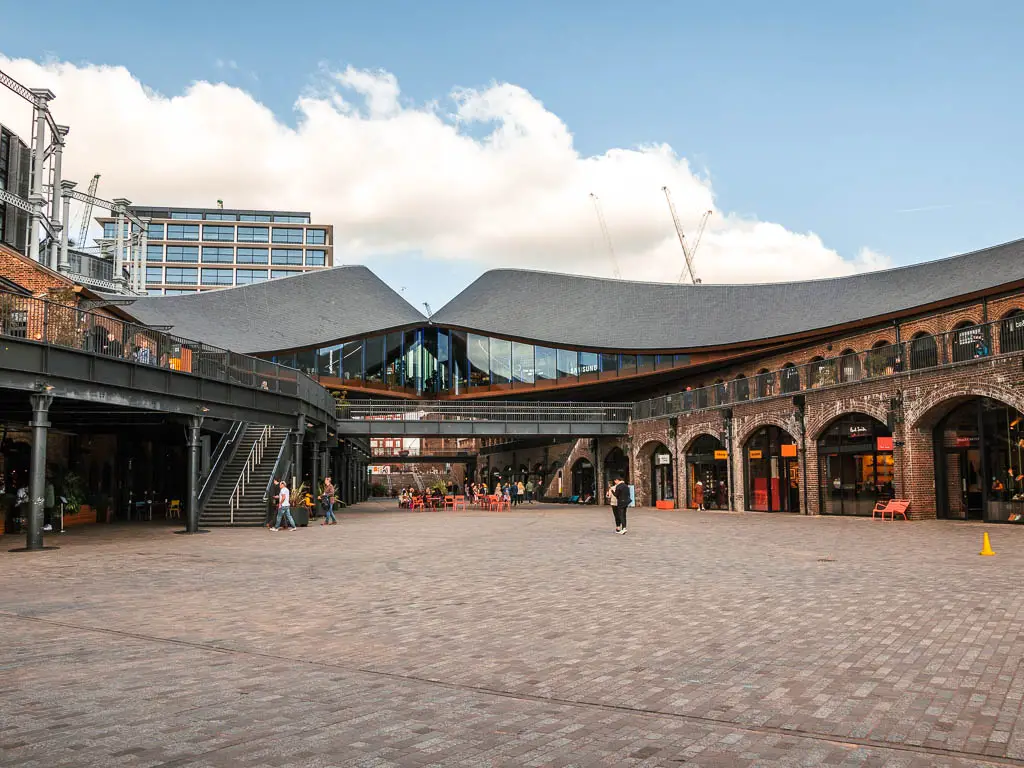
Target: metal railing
49,322
504,410
251,462
227,440
961,345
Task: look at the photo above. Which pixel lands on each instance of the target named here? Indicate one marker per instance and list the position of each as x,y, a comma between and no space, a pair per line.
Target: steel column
63,265
38,138
315,472
195,423
37,478
55,200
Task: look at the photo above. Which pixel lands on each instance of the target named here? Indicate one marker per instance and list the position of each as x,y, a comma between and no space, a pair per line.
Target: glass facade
187,253
253,255
246,276
215,255
315,236
286,256
253,234
218,233
182,231
316,257
218,276
182,275
439,361
287,235
855,465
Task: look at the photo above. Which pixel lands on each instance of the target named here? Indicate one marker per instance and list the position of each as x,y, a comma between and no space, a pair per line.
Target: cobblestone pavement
528,638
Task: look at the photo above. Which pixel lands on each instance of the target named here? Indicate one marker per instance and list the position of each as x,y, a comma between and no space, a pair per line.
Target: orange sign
789,450
721,454
885,443
755,454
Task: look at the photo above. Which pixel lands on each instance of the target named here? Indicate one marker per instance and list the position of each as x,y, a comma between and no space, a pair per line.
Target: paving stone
535,637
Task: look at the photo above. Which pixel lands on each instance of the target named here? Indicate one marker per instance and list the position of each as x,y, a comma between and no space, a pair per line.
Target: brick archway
641,467
687,440
817,427
790,426
923,415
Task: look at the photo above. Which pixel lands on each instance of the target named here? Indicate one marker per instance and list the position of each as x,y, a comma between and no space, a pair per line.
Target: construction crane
83,229
688,253
426,306
607,237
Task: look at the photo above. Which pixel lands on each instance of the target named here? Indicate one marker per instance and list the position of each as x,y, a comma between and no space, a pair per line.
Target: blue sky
889,125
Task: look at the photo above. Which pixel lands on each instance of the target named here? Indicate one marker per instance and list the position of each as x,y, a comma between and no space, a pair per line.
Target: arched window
821,372
1011,332
721,392
923,351
790,375
702,397
741,388
968,341
881,360
849,366
765,383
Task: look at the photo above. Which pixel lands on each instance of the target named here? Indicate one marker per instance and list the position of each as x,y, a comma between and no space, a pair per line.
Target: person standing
529,491
272,503
520,492
622,499
698,495
284,508
49,502
329,518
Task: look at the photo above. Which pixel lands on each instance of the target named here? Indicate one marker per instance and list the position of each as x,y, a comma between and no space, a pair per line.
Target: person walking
698,495
284,508
520,492
529,491
328,497
272,503
622,499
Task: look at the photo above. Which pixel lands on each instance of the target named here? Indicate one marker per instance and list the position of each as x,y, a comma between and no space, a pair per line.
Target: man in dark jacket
275,490
622,499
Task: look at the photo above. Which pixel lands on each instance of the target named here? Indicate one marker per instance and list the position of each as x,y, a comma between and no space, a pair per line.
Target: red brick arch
691,437
925,413
817,427
767,421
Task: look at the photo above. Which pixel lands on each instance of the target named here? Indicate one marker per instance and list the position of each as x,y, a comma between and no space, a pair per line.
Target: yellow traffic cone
986,547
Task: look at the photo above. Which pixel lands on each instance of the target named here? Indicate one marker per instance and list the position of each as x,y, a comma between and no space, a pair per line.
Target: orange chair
417,503
892,507
460,501
449,501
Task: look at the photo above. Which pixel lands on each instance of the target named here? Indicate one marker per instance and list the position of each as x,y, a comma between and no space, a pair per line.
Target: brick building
815,397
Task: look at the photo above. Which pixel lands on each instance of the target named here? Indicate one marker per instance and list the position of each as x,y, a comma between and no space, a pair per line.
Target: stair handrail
278,471
254,458
229,440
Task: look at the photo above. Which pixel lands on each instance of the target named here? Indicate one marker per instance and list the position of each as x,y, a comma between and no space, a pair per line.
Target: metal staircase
237,499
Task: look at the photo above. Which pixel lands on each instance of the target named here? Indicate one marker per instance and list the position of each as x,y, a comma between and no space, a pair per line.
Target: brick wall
32,276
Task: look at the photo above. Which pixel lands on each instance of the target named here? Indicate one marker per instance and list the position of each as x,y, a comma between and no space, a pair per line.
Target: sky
444,139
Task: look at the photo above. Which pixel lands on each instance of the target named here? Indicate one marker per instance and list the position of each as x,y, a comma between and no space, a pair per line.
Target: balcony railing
60,325
446,410
973,342
403,453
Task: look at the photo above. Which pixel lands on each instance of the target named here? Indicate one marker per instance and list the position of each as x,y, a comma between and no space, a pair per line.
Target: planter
85,514
664,504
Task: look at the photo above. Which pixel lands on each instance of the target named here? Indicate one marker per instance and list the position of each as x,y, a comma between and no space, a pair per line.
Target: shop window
707,464
790,376
855,465
849,366
772,471
923,351
968,342
1011,332
741,388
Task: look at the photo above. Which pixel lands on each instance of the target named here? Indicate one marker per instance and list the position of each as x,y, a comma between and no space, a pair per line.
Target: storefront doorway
855,465
772,471
707,462
615,465
583,478
662,487
979,462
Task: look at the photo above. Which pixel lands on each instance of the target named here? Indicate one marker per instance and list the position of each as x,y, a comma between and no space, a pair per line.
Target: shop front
979,463
662,485
583,478
707,463
855,465
772,471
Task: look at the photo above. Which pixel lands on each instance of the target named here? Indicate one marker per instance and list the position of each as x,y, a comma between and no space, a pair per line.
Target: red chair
459,501
417,503
449,501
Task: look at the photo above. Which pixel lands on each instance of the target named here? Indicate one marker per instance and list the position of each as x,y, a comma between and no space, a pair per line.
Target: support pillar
120,205
195,423
63,265
314,478
55,217
143,257
37,471
35,219
42,97
300,433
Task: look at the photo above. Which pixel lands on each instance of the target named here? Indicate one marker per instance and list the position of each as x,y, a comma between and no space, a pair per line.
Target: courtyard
535,637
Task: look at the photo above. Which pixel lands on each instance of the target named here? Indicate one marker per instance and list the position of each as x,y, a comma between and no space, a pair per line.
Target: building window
522,363
286,219
276,273
182,231
923,351
567,364
218,255
287,235
479,360
154,253
178,292
219,234
188,253
187,215
252,255
246,276
546,364
109,230
218,276
253,234
182,275
316,258
1011,332
970,342
316,237
154,274
218,216
155,231
288,256
254,217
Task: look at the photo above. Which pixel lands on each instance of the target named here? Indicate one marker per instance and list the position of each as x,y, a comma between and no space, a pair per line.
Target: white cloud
488,175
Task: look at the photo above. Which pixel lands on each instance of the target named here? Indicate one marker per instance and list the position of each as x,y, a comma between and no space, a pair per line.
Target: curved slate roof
309,309
601,313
